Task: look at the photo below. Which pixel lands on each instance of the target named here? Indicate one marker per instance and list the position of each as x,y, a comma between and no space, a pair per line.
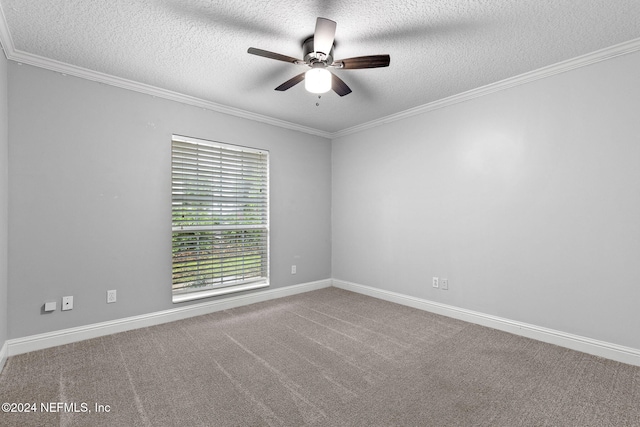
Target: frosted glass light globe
317,80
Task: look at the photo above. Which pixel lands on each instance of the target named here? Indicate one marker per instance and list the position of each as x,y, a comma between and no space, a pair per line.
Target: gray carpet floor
324,358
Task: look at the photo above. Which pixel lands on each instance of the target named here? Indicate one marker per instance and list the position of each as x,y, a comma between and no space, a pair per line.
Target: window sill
216,292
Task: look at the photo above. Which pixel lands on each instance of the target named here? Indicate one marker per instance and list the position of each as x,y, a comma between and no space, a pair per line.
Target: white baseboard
3,355
66,336
575,342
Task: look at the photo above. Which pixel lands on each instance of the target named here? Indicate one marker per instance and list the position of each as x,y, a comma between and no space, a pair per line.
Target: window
220,218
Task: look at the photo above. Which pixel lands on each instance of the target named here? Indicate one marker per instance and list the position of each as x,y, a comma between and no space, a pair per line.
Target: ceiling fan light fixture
317,52
317,80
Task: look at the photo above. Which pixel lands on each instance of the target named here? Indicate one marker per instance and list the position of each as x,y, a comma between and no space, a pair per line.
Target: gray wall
527,200
89,198
4,198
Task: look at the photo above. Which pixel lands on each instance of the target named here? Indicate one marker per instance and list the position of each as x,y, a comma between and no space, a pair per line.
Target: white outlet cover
111,296
435,282
444,284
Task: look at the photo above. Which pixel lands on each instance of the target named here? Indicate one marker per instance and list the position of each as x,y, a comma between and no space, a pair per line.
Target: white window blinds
220,218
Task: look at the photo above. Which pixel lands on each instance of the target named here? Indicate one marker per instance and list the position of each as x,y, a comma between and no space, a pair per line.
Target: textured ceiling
198,48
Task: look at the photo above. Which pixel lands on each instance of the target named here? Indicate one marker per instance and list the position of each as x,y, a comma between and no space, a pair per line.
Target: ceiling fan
317,52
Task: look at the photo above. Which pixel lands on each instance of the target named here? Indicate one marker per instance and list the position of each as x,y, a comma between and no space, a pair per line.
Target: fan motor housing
310,56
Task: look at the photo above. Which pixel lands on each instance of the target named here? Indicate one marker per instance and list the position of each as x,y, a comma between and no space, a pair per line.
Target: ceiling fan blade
339,86
272,55
371,61
291,82
324,35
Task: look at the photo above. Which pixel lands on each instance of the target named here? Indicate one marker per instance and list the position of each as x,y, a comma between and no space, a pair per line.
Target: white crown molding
551,70
3,355
67,336
16,55
574,342
5,36
72,70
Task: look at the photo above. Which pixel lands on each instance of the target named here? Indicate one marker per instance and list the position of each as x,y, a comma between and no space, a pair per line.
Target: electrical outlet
111,296
444,284
67,303
435,282
293,269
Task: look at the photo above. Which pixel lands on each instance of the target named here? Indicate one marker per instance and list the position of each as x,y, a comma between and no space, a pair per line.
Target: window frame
219,231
